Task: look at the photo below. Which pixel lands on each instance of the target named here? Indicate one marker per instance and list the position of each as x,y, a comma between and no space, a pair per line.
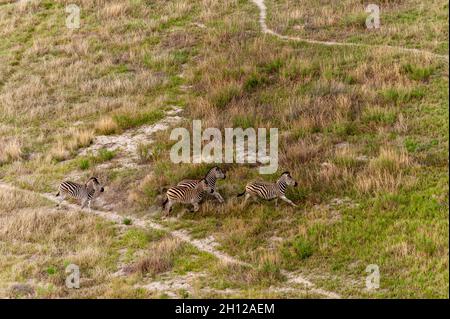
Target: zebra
186,195
211,178
270,191
86,193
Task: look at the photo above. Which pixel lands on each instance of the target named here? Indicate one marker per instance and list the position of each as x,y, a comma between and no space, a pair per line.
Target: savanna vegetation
363,130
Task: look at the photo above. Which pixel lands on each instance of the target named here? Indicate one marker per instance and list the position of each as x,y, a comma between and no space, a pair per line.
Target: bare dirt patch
126,144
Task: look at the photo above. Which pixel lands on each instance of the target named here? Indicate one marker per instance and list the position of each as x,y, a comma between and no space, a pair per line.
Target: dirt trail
262,22
206,245
127,144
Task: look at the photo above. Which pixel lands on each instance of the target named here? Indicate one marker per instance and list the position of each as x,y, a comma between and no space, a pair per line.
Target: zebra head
217,172
203,185
287,178
95,184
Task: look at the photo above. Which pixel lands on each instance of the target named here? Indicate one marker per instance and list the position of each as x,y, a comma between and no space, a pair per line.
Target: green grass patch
126,121
402,96
225,96
84,163
295,250
417,73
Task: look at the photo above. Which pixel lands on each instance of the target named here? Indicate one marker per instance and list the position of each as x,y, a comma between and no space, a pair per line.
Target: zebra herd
188,191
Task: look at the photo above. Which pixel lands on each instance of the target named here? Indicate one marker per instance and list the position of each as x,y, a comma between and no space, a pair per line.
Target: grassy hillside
363,130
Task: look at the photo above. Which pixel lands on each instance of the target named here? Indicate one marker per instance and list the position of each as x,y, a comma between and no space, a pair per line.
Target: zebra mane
211,169
93,178
286,172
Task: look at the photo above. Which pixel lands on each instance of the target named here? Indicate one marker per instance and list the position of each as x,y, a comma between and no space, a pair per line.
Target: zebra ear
94,179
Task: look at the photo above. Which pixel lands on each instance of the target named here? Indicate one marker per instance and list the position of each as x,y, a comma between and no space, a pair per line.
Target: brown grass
10,151
70,142
10,201
106,126
159,260
385,173
116,9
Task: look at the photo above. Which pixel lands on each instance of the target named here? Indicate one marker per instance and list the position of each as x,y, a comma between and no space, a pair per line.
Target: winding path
204,245
262,22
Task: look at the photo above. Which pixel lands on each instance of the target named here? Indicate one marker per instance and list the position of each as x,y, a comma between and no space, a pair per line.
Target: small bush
51,270
411,145
105,155
296,249
254,81
272,66
84,164
144,153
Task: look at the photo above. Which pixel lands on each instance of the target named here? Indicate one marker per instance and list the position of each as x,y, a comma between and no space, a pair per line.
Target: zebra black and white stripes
186,195
269,191
211,178
85,193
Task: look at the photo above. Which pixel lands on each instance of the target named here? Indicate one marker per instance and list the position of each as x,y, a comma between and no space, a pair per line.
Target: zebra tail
239,195
57,194
165,202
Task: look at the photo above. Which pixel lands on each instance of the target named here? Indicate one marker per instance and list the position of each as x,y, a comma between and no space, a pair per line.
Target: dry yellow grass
384,173
159,258
27,6
10,151
132,58
39,240
106,126
390,159
70,142
345,20
116,9
11,201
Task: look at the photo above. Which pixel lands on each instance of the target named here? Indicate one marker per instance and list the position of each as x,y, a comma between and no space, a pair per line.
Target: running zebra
211,178
186,195
85,193
270,191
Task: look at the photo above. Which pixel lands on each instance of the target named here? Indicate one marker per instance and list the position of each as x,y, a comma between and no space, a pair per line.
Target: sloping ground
410,25
308,38
364,131
115,260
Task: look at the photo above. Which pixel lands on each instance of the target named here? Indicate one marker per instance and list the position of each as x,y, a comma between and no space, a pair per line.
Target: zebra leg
168,207
218,197
196,207
276,202
60,200
83,203
247,196
287,200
